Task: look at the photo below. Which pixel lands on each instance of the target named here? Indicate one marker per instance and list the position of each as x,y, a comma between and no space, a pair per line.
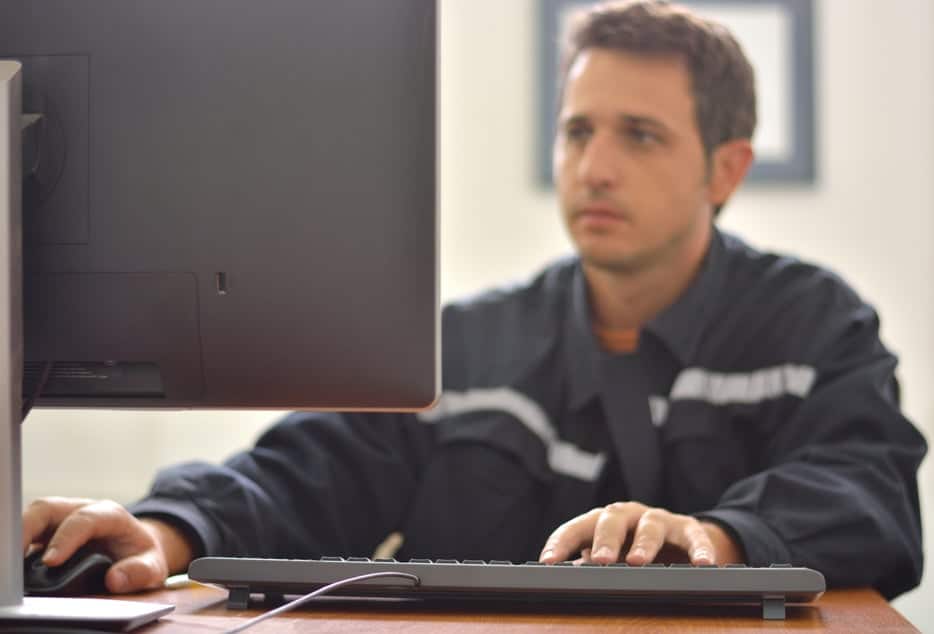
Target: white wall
869,217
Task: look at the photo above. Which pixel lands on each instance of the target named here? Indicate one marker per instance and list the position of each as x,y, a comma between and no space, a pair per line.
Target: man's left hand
602,535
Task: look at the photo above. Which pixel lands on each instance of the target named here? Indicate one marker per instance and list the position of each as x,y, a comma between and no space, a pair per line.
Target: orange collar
617,340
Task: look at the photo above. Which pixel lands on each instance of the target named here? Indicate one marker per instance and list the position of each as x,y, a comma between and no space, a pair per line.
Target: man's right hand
145,551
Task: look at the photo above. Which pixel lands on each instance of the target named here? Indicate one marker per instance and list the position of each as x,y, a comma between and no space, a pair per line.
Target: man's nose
599,167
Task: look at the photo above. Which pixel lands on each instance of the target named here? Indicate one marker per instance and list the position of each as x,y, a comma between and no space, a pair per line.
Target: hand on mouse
145,551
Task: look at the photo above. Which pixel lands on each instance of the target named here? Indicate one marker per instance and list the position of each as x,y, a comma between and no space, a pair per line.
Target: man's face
629,161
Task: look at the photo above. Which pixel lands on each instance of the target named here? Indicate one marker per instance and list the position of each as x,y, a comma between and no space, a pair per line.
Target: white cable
322,590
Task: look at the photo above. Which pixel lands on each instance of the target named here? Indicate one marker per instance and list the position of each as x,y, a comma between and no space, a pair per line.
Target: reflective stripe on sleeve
720,388
563,457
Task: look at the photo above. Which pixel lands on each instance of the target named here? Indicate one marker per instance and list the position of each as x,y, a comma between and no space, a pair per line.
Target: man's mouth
599,214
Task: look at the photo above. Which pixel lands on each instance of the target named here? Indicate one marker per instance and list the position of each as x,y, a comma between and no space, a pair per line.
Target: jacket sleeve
836,486
314,484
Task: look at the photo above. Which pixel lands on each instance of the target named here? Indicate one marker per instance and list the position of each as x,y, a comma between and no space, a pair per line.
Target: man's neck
630,299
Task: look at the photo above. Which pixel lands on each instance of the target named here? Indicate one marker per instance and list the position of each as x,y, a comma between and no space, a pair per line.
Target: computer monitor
226,204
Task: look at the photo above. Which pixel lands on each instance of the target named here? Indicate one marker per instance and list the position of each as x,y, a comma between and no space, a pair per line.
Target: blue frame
798,168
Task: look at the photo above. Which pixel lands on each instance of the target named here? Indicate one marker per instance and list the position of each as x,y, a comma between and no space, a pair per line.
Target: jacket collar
682,325
679,327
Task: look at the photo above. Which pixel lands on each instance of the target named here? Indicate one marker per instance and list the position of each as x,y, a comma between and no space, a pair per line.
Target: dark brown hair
722,79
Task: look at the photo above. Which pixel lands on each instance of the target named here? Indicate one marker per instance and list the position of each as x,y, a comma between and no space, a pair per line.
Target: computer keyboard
771,587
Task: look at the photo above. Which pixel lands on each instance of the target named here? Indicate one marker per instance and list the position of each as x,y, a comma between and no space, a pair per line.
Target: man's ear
729,164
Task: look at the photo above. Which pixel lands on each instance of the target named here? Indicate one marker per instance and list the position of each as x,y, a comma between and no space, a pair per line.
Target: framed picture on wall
778,38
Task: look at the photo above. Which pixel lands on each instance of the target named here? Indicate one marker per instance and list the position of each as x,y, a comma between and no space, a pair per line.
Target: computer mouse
82,574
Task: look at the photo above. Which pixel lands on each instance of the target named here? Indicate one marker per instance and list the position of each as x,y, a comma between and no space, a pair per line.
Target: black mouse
82,574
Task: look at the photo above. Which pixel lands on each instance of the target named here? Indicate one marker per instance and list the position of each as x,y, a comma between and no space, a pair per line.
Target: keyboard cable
320,591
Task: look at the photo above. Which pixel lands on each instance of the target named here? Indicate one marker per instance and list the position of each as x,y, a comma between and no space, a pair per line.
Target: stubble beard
639,261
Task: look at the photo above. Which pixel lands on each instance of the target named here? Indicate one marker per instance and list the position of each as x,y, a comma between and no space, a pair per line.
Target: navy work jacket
762,399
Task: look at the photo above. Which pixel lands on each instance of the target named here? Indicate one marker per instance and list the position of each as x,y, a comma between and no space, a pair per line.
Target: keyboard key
332,559
361,560
385,560
419,561
474,562
500,562
446,561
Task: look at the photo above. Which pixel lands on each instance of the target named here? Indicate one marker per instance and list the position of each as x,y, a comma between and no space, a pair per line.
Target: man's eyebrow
640,120
624,119
573,119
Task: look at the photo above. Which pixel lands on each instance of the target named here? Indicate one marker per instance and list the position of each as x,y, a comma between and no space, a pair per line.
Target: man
668,393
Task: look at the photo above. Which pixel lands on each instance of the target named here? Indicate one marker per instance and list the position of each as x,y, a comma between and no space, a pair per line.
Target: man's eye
577,133
640,136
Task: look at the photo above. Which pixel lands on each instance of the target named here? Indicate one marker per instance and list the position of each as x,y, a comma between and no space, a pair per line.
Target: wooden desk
200,610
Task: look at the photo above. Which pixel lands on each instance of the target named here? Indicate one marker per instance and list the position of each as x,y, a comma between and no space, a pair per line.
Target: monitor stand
104,613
